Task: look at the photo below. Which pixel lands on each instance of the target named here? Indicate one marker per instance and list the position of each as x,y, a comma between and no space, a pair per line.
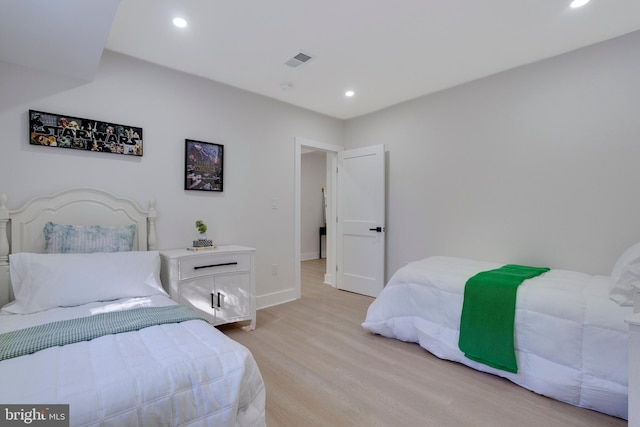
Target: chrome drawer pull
198,267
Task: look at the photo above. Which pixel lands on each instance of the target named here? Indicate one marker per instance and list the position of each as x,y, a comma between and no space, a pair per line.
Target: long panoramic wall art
56,130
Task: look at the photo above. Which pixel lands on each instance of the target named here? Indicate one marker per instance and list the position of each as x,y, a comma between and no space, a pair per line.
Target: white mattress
174,374
570,338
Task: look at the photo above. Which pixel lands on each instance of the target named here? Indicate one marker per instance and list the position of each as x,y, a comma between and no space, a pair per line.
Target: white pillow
626,273
43,281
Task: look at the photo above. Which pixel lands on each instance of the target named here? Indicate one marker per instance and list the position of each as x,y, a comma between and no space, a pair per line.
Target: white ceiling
386,51
64,37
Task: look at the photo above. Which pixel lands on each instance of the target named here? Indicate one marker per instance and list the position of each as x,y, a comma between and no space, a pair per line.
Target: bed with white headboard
21,229
174,369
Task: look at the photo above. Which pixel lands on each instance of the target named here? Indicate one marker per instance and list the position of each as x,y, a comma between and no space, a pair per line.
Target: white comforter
570,338
175,374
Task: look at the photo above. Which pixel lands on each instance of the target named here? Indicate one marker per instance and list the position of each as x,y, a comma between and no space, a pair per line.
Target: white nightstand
219,283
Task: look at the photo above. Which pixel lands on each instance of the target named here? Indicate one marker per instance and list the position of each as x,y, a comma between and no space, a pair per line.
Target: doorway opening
303,145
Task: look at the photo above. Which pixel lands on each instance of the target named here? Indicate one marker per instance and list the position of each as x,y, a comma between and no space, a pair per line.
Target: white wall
257,133
536,165
313,179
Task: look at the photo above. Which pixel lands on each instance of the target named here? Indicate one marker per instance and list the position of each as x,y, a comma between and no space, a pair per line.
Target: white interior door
361,220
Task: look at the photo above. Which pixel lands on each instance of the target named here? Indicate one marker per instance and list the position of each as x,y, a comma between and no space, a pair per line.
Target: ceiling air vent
299,59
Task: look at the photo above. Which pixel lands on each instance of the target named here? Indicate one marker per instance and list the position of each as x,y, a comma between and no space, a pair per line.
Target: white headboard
21,229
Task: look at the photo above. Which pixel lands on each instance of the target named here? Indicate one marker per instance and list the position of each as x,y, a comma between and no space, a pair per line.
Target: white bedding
174,374
570,338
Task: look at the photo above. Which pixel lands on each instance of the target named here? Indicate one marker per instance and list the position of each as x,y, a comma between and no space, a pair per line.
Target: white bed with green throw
569,339
86,322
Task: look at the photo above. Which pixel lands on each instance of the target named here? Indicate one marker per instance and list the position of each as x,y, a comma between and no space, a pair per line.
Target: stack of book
201,248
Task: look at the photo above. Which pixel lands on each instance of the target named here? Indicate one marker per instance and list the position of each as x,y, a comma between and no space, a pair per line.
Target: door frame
332,176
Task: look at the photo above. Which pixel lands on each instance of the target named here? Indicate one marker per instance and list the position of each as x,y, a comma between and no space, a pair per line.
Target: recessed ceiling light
179,22
349,93
578,3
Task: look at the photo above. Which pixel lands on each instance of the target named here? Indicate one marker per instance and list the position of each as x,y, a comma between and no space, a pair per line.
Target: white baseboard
276,298
309,255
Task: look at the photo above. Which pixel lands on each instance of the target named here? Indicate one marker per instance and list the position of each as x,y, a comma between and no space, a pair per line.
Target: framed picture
63,131
203,166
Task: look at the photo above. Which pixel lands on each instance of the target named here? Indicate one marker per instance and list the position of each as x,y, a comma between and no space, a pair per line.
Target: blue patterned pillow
74,239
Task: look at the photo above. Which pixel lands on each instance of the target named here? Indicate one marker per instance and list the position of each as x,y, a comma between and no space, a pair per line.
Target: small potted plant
202,235
202,229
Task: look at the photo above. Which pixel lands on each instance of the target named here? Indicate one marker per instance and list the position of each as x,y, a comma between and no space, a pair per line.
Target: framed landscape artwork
203,166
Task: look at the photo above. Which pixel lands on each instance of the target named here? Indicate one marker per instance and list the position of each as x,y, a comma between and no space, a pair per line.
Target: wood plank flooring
322,369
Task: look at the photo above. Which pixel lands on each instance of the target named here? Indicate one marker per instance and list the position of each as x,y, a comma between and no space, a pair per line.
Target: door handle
218,304
377,229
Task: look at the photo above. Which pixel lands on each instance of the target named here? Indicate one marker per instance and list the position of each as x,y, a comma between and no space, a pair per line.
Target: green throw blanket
488,315
29,340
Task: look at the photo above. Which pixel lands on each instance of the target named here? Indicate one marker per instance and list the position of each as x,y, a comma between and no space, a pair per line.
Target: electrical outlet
275,203
274,269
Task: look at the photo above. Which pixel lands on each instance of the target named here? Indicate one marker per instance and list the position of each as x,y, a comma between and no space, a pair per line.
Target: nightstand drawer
206,265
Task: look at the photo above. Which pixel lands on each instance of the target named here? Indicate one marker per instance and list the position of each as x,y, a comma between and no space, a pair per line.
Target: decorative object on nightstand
219,283
202,241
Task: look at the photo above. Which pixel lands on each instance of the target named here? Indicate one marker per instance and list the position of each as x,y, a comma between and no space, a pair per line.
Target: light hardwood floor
322,369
